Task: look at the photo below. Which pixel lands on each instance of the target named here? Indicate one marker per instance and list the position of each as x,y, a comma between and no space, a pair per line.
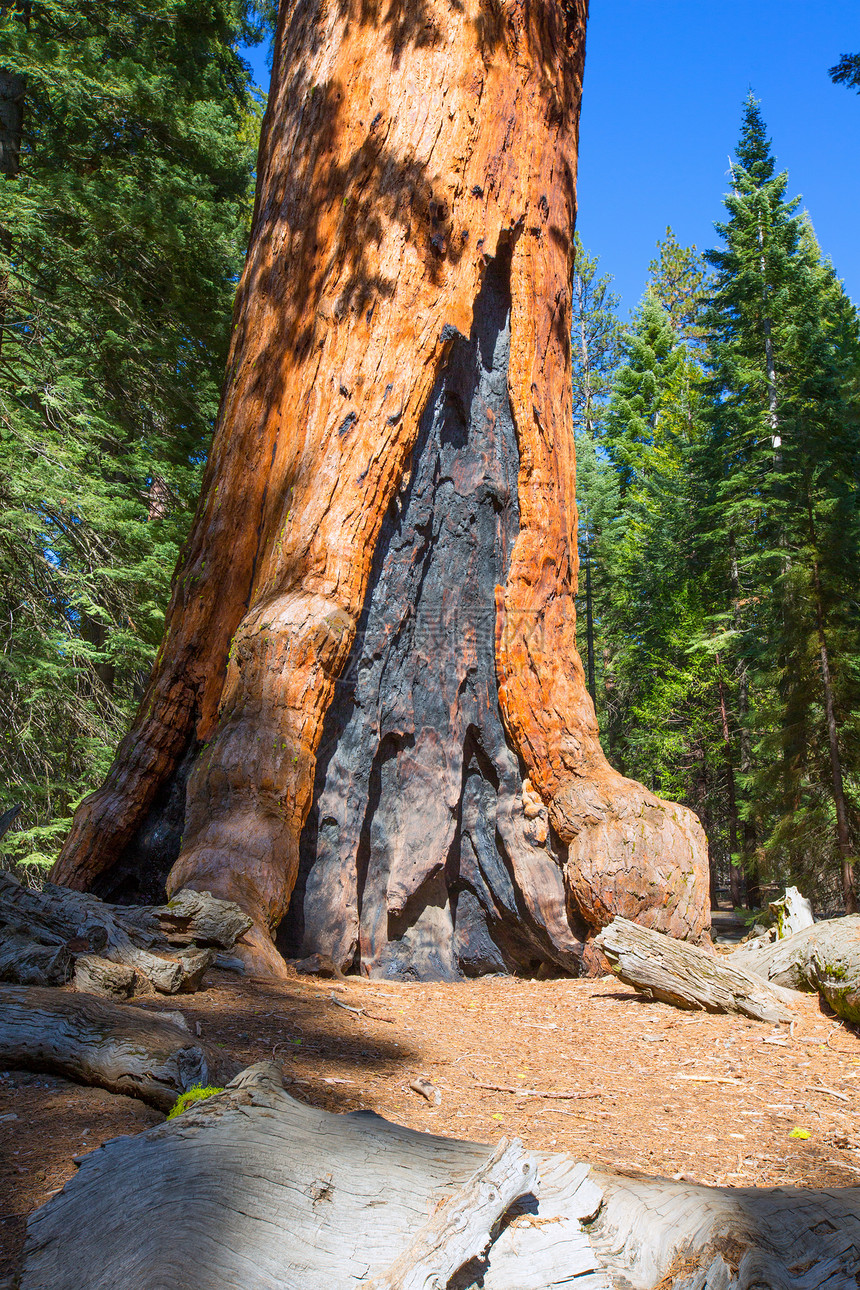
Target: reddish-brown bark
406,148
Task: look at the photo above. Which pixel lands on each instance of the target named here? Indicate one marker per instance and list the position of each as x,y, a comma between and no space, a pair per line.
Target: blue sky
665,82
664,87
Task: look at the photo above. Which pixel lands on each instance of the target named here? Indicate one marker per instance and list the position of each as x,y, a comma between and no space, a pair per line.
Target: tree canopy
725,599
125,202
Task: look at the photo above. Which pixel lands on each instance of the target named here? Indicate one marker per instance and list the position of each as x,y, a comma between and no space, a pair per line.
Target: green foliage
658,721
123,233
595,337
847,72
650,358
784,468
679,281
725,605
198,1093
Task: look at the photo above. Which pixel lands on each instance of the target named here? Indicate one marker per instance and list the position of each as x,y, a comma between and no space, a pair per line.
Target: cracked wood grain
276,1194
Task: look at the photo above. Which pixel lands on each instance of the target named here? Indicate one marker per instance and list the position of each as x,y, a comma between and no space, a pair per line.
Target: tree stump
793,912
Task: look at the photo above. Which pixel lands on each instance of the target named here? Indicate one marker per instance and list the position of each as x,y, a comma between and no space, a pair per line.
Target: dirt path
648,1088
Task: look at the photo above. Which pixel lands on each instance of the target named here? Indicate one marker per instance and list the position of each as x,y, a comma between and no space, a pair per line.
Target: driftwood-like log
686,976
94,975
190,916
824,957
33,955
271,1192
45,931
461,1229
114,1046
654,1234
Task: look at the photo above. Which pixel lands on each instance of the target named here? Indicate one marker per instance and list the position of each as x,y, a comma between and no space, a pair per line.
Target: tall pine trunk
750,840
843,841
732,803
368,713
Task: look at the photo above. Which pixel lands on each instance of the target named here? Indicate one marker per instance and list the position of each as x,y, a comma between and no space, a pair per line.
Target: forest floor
587,1067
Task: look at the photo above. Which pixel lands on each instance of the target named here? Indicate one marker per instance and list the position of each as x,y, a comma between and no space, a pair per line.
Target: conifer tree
654,607
783,447
596,335
651,357
595,340
847,72
678,278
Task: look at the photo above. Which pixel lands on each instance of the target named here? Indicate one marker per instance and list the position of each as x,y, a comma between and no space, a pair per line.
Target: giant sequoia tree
368,699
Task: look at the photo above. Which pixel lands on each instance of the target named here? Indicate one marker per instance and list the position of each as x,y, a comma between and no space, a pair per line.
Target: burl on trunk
368,699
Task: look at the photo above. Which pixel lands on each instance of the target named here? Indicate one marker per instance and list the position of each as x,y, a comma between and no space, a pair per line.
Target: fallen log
824,957
686,976
275,1193
168,948
113,1046
461,1228
33,956
94,975
190,917
792,913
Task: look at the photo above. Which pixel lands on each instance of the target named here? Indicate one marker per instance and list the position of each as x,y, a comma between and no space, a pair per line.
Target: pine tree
847,72
651,358
668,696
679,280
124,207
595,339
782,445
597,504
596,334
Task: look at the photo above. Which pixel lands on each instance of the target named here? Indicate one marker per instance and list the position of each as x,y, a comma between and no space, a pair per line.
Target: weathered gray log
195,964
654,1233
94,975
33,956
190,916
461,1228
253,1189
160,944
686,976
114,1046
825,957
793,912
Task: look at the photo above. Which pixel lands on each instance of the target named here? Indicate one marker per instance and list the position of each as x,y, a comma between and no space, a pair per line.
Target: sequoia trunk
384,556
